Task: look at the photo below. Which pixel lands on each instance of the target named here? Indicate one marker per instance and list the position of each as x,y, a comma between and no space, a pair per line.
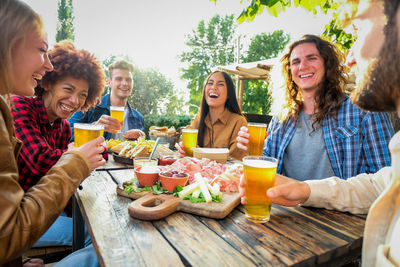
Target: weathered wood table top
297,236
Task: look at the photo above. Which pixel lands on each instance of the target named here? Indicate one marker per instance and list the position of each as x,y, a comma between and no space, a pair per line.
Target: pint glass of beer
117,113
257,136
189,140
84,132
259,176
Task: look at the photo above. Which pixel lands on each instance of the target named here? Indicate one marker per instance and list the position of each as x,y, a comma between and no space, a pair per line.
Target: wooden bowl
169,183
144,179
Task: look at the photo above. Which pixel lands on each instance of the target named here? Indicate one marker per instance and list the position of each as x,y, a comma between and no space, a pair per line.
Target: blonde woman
25,216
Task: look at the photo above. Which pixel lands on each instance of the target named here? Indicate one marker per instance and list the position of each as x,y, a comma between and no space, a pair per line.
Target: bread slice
138,151
117,148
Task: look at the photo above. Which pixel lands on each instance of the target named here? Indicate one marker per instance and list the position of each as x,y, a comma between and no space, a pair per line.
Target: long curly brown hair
327,99
79,64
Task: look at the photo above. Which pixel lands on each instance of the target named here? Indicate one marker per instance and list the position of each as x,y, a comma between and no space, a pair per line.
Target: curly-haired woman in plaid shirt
319,132
41,123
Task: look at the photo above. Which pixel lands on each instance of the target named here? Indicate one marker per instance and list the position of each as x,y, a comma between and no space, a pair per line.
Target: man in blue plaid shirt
319,133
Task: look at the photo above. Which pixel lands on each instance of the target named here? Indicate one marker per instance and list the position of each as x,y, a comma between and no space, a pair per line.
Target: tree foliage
332,31
256,94
275,7
210,44
153,94
335,34
65,24
266,46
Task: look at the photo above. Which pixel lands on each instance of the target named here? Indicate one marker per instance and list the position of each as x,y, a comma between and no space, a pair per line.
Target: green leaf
146,188
129,189
177,190
276,9
216,198
201,198
157,189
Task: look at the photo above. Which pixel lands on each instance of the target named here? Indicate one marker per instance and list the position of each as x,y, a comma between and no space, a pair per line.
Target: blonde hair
121,65
16,20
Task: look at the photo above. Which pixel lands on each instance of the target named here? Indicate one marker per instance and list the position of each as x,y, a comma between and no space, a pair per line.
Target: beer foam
190,130
256,124
117,108
89,126
258,163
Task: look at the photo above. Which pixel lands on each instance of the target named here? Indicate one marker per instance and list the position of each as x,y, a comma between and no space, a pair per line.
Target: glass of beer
257,133
84,132
118,113
189,140
259,176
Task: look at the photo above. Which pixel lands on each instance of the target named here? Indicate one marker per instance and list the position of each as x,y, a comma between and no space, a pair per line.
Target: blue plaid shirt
356,141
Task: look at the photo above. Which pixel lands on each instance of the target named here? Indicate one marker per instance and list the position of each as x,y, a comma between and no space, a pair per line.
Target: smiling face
121,83
216,92
30,62
307,67
65,97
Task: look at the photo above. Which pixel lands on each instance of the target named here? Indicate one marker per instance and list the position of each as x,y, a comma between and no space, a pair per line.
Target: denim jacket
135,119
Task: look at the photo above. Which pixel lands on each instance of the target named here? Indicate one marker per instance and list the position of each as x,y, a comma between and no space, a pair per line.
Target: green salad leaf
177,190
157,189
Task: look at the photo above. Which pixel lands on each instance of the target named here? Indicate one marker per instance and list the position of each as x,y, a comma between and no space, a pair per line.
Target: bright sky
152,32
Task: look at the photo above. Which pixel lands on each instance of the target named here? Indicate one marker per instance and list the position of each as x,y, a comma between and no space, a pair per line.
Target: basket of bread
167,135
139,148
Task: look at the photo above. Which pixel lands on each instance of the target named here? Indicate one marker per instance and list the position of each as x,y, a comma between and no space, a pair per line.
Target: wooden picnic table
297,236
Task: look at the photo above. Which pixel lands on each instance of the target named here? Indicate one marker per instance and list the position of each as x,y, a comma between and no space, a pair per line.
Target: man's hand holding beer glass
111,125
286,191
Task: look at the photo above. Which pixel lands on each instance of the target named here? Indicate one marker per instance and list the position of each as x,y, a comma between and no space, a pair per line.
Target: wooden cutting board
154,207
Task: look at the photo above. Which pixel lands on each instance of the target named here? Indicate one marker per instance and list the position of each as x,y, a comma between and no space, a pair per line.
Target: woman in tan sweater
220,117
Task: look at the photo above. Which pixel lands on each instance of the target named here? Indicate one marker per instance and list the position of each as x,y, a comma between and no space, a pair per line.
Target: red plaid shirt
43,143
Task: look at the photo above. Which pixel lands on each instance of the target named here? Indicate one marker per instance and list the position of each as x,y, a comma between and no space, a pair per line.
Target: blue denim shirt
135,119
356,141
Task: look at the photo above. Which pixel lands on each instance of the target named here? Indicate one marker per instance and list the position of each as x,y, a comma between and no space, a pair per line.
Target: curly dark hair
79,64
380,90
330,96
231,104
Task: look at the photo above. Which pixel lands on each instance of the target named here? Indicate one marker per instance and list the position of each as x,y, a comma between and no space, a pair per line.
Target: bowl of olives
171,179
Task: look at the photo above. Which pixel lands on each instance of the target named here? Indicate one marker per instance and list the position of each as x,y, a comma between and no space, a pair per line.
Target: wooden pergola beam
258,70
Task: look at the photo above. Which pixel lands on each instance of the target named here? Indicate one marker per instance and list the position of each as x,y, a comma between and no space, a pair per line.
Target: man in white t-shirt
377,53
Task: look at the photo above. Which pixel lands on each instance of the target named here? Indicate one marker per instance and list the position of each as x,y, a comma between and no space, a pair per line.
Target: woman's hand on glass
179,147
243,138
92,150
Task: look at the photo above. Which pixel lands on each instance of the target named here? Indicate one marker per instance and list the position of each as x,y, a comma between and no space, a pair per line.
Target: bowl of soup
147,175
